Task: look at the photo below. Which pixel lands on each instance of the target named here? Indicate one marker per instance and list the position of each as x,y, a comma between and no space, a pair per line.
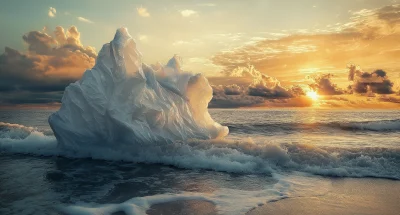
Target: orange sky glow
346,57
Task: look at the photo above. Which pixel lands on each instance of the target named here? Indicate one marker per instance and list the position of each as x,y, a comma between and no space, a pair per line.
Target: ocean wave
239,156
14,131
17,138
382,125
273,127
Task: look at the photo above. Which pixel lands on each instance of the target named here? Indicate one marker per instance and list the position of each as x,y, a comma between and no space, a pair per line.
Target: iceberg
124,102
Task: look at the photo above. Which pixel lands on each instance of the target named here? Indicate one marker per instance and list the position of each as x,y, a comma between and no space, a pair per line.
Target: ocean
269,156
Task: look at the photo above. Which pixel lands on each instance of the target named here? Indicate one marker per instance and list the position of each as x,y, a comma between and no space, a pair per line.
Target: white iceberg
124,102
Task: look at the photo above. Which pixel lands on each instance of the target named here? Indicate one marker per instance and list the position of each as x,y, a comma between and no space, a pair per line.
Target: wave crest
237,156
367,126
383,125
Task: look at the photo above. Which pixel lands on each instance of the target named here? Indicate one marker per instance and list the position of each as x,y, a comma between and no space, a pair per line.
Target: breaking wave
366,126
383,125
240,156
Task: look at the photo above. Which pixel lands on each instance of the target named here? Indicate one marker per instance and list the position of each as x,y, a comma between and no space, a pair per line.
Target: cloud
392,99
40,74
143,38
84,20
365,82
261,85
52,12
248,87
266,92
233,89
235,101
373,23
250,72
233,96
187,13
207,4
323,85
194,42
254,89
143,12
369,38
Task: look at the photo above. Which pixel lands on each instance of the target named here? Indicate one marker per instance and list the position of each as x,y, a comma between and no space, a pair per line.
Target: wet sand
186,207
348,196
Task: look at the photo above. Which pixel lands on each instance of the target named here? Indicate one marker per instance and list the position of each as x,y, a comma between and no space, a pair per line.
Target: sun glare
313,95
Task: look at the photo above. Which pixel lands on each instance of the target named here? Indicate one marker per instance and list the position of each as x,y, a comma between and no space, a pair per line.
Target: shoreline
361,196
348,196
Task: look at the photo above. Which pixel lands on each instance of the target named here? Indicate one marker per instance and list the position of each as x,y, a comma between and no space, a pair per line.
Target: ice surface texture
122,102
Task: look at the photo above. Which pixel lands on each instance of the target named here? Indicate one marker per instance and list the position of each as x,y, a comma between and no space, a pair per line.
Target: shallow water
269,155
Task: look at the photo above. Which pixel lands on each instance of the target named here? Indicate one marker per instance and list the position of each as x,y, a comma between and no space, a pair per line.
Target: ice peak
175,62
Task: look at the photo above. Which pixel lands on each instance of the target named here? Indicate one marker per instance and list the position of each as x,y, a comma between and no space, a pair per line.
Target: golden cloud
47,67
371,38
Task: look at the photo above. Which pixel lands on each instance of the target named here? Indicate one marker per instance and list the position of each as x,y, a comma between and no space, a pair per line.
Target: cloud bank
365,82
255,90
370,38
315,61
40,74
264,73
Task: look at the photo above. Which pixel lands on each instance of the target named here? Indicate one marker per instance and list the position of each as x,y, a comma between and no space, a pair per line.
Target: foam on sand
227,201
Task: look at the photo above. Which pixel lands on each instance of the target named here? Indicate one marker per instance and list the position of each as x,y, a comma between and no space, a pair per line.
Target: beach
347,196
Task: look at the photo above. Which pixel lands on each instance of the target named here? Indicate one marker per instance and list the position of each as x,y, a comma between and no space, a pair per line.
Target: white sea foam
238,156
227,201
17,138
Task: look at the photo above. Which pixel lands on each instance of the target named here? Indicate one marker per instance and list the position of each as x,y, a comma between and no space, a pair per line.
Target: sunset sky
256,53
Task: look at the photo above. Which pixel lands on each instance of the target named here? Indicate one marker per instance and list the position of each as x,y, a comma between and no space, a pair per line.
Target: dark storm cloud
235,101
275,92
41,73
324,86
263,97
365,82
233,89
233,96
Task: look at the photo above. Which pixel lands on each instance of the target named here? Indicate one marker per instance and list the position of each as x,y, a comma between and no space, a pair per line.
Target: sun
313,95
